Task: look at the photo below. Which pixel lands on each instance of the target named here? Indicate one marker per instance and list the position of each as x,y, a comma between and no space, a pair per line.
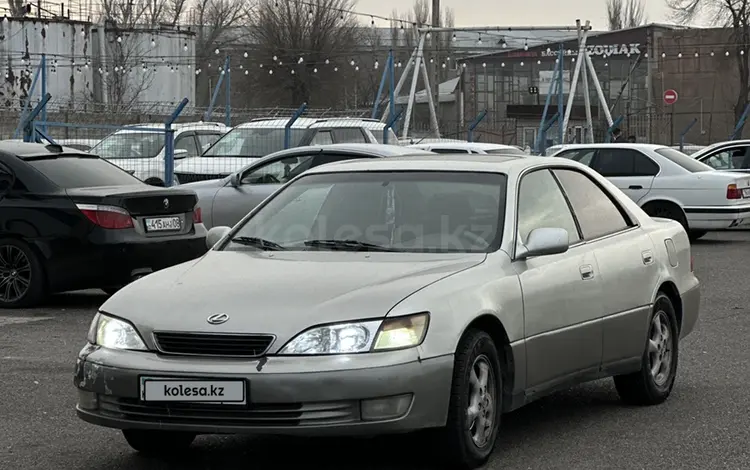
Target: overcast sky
521,13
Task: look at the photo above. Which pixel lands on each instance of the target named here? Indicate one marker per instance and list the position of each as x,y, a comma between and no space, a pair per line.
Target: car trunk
138,200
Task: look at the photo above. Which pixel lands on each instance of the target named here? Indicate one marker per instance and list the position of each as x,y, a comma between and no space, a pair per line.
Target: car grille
197,344
193,177
253,415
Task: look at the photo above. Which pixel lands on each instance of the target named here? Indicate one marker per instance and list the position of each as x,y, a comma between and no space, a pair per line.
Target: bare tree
623,14
731,14
124,75
312,31
17,8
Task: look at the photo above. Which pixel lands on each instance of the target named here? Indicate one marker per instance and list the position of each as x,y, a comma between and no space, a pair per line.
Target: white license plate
163,224
193,390
746,192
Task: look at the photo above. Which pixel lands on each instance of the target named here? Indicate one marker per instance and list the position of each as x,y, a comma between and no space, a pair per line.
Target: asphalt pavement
704,424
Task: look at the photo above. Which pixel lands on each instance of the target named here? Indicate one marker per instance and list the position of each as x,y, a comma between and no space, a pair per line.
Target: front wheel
158,442
475,402
653,383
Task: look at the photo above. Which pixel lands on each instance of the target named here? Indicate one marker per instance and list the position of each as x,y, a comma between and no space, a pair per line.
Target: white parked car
141,152
667,183
733,155
247,142
470,147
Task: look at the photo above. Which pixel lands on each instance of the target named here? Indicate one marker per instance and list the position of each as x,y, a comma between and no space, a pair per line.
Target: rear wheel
158,442
653,383
667,210
475,403
22,281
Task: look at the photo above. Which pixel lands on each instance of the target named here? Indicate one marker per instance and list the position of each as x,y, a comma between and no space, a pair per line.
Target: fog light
87,400
380,409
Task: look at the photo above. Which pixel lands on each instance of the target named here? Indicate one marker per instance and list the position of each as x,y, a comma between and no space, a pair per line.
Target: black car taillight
197,216
110,217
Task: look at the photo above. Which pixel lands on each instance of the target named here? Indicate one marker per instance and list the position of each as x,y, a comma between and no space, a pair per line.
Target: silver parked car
397,294
227,201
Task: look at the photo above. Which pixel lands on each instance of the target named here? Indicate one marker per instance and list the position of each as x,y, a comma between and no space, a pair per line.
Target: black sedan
71,220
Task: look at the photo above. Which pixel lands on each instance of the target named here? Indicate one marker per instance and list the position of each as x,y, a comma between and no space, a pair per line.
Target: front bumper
285,395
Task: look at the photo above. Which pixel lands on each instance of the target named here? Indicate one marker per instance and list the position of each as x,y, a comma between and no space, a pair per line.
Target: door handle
635,186
587,272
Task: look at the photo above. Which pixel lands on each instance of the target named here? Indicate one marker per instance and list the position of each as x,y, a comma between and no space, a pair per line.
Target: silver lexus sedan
393,295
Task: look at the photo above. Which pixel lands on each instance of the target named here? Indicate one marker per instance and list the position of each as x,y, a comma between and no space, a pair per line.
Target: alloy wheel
15,273
481,413
660,348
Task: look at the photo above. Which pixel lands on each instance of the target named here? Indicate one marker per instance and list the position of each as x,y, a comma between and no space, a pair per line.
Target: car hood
278,293
213,165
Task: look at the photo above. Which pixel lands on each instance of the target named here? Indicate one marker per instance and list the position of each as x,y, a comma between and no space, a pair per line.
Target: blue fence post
684,133
215,95
29,130
392,86
228,93
547,126
547,101
615,124
391,122
288,125
473,125
561,91
169,143
740,123
43,66
27,101
376,103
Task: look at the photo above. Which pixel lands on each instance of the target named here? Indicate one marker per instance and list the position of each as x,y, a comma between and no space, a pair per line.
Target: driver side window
275,172
541,204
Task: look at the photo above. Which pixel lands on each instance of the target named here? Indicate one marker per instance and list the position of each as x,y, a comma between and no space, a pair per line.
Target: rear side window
583,156
613,162
350,136
596,213
690,164
74,171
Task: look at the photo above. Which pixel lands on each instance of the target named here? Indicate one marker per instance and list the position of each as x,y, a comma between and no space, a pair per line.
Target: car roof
443,162
466,145
623,145
24,150
348,122
277,122
153,127
384,150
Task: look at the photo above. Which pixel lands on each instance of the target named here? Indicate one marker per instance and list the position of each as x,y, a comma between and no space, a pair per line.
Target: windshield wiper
346,245
256,242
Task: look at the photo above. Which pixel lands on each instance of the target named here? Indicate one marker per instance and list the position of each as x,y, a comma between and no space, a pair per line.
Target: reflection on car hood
213,165
277,292
207,184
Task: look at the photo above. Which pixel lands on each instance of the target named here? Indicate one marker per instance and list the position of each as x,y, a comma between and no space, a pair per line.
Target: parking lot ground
704,425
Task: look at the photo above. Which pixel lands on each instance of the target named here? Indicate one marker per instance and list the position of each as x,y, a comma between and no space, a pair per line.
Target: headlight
110,332
360,337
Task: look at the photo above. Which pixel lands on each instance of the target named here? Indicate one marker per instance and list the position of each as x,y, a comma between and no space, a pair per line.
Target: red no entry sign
670,97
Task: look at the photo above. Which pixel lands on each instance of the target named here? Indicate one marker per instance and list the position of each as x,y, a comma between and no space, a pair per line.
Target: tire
22,275
156,443
696,234
667,211
475,351
644,388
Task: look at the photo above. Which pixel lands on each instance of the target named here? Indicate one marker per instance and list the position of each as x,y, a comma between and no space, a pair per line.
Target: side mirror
215,234
234,180
180,154
544,241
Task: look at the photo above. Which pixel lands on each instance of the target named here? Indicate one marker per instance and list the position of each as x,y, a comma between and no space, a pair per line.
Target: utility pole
436,48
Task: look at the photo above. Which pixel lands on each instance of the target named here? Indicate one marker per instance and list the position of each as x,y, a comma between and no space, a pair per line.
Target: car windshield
81,171
253,142
689,163
378,133
130,144
414,211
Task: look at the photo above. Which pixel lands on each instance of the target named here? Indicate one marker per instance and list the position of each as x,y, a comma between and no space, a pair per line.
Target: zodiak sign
602,50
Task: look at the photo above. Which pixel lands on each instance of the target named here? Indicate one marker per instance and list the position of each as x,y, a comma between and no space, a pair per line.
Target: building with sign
514,85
